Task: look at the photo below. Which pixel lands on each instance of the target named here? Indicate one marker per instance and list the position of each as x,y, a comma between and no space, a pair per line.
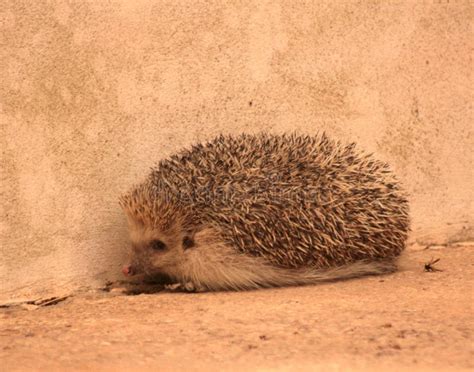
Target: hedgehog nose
127,270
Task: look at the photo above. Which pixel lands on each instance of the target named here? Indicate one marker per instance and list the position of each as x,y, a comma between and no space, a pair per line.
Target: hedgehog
265,210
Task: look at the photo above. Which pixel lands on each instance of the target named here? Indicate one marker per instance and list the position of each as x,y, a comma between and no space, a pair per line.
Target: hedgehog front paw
188,287
173,287
191,287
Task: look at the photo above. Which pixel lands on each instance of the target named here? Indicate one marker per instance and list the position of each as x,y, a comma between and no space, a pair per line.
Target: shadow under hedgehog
254,211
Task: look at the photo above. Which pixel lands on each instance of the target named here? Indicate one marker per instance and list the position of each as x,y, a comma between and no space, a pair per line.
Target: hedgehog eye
158,245
188,242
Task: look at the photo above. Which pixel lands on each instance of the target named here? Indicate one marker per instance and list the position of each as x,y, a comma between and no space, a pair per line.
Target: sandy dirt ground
411,320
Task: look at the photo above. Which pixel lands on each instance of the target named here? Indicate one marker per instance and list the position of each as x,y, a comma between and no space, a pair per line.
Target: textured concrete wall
93,93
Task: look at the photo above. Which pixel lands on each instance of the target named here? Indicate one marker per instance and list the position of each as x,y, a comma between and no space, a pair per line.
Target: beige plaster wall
93,93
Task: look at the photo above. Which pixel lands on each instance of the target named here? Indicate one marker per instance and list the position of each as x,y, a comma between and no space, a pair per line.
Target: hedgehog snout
137,264
128,270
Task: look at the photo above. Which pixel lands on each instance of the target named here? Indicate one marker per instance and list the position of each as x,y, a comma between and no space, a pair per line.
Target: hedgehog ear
188,240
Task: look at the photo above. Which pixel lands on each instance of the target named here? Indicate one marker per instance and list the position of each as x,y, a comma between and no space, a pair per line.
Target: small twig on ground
50,301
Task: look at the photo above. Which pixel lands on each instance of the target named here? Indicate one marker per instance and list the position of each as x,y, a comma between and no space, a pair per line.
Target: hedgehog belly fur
217,266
